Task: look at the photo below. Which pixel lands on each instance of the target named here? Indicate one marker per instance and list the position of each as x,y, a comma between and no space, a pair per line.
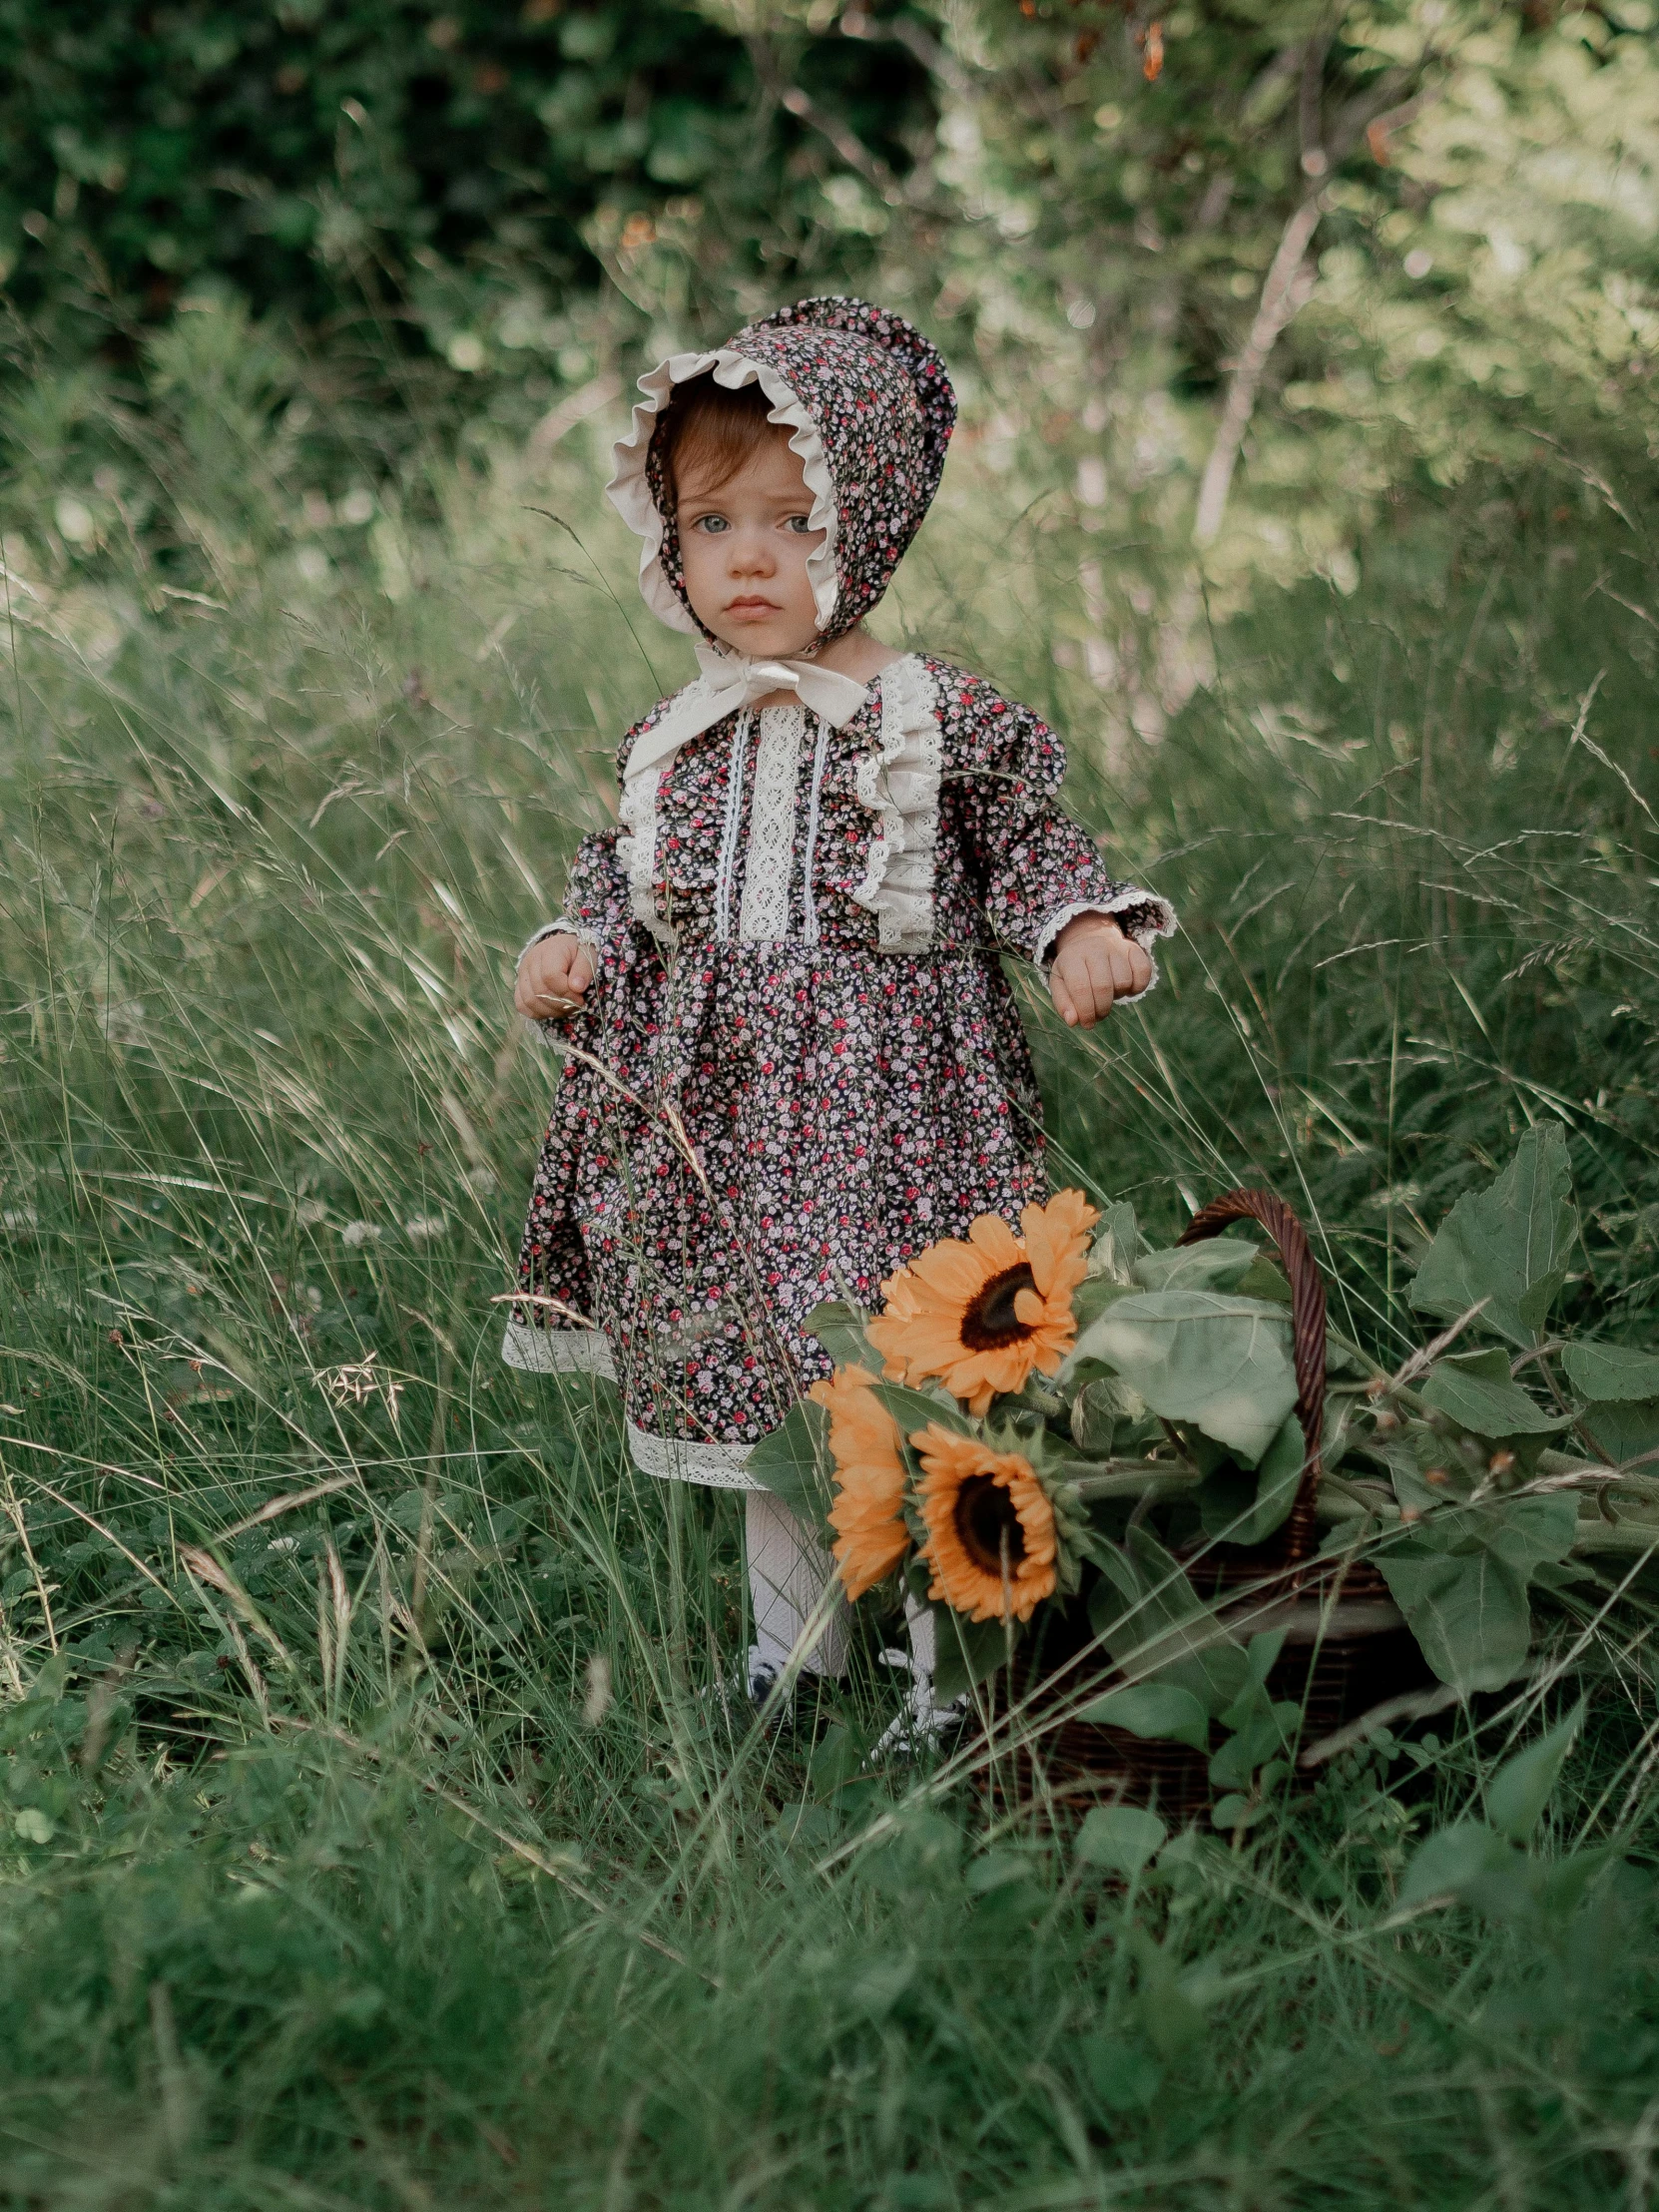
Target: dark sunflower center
990,1320
986,1523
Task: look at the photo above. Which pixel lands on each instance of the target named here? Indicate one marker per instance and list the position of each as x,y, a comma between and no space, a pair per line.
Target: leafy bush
460,170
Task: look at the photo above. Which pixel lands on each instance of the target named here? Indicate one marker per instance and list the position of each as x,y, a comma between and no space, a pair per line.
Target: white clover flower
419,1228
358,1233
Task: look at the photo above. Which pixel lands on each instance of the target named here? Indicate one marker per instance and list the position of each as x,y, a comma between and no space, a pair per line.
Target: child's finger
551,982
1064,1004
1131,970
1123,969
1097,956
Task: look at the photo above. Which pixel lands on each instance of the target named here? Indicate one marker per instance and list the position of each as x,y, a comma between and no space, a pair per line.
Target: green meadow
374,1834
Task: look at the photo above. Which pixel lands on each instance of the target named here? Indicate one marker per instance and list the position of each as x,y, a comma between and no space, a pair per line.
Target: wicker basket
1346,1646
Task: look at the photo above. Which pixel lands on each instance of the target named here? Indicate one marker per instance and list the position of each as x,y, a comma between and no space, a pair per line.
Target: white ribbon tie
731,682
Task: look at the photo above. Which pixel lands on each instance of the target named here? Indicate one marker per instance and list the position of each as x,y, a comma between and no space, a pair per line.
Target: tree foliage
459,164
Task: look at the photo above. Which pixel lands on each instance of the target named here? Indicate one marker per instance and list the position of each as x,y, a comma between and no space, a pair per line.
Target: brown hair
720,428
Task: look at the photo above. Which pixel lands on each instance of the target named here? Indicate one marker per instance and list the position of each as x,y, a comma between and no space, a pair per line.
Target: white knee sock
919,1619
787,1575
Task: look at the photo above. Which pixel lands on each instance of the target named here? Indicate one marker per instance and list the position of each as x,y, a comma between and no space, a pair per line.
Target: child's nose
752,554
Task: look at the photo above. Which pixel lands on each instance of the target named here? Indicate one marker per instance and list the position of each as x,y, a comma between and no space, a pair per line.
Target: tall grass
373,1831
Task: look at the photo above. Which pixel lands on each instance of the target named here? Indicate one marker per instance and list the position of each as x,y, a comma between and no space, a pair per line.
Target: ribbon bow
729,683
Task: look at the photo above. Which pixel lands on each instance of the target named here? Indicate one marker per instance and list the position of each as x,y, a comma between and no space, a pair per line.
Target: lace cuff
1141,915
563,927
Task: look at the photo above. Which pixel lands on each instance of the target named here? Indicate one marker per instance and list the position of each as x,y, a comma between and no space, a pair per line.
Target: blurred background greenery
359,1757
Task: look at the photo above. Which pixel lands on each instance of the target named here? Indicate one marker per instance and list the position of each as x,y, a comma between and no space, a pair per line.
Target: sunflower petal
1057,1241
992,1234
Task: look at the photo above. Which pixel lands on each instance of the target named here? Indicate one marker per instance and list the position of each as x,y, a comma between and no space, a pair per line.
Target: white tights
788,1574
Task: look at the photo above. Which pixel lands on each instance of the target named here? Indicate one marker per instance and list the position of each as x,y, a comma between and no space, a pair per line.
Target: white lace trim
558,1351
563,926
630,494
682,1459
899,783
770,863
1145,934
635,852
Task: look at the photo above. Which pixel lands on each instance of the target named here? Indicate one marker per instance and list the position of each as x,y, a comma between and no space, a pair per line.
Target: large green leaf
1121,1838
1625,1430
1453,1859
913,1410
1531,1531
1493,1361
1094,1293
1487,1409
1220,1361
1117,1243
1520,1788
1507,1245
1468,1611
1154,1622
1264,1278
1153,1710
1220,1265
794,1465
1611,1371
838,1326
1262,1735
1461,1581
1242,1506
968,1651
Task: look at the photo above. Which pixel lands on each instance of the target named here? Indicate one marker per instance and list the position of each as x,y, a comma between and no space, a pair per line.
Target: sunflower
983,1314
990,1527
868,1513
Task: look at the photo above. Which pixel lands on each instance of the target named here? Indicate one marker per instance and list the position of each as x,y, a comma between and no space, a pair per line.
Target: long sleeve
595,908
1037,868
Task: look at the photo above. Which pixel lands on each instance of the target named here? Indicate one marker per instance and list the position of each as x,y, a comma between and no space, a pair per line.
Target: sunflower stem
1134,1478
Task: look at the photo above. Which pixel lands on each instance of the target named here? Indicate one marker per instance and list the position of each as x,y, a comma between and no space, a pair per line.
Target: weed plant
374,1831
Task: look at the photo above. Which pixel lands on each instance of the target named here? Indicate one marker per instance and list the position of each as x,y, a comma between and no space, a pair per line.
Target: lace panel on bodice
770,864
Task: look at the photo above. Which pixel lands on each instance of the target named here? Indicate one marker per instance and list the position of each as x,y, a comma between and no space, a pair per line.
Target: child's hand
553,979
1094,963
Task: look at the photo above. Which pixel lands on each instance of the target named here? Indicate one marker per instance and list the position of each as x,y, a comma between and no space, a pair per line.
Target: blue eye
710,525
800,524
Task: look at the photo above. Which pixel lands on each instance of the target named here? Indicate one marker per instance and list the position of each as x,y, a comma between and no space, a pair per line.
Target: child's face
744,544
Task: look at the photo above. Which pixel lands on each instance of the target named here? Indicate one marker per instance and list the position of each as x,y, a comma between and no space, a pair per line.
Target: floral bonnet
871,410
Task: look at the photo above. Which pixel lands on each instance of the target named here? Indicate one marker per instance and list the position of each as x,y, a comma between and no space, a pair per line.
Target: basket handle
1307,1332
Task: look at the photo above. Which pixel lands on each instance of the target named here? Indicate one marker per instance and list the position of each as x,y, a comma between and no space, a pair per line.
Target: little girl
791,1060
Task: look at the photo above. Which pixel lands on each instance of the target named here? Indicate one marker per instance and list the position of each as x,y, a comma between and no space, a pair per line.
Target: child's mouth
751,607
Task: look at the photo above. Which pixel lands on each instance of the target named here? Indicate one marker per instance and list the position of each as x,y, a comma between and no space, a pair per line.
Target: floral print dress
800,1061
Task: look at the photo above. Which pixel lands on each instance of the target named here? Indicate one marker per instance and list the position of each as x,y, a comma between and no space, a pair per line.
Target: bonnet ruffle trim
629,490
899,783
